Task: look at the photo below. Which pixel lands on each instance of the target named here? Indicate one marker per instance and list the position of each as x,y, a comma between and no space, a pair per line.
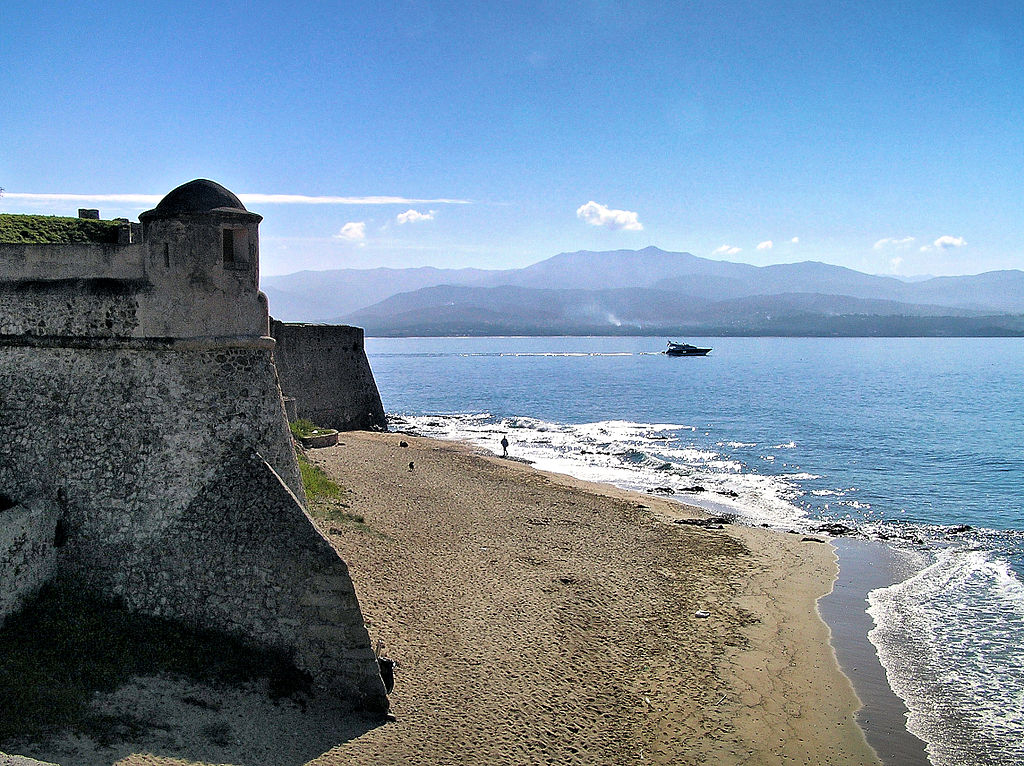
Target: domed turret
202,256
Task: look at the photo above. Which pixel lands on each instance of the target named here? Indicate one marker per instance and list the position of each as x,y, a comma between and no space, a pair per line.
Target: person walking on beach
504,446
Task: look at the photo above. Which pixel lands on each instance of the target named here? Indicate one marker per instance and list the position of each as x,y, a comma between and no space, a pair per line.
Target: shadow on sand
86,682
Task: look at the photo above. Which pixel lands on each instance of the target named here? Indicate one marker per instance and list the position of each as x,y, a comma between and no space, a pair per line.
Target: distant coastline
842,327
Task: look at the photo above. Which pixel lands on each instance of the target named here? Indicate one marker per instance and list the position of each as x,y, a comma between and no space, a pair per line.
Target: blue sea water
918,441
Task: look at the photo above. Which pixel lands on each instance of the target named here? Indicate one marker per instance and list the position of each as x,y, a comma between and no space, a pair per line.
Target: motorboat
685,349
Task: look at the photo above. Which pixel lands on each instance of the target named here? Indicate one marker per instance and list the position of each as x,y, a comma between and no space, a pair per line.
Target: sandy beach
539,619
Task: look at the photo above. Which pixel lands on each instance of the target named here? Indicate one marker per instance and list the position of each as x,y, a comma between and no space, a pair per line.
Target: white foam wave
949,639
647,457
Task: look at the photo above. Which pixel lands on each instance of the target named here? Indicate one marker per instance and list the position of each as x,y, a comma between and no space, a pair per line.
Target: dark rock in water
664,490
835,529
665,467
958,529
728,493
694,489
812,540
711,522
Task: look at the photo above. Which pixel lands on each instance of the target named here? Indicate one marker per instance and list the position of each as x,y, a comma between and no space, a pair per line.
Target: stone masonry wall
288,585
20,262
131,434
70,307
29,540
325,368
138,447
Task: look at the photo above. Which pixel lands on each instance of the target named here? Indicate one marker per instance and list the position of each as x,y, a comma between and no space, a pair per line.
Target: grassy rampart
56,230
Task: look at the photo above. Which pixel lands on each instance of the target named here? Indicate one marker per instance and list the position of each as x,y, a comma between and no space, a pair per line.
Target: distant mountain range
650,292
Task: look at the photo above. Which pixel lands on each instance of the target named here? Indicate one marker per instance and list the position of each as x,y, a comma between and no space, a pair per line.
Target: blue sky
887,137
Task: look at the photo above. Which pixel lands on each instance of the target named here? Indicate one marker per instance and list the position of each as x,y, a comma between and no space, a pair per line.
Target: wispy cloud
299,199
597,214
128,199
888,242
766,245
248,199
795,240
726,250
353,231
415,216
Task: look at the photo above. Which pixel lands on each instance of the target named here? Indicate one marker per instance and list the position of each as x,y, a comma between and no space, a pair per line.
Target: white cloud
725,250
766,245
597,214
893,242
947,242
795,240
353,231
415,216
894,263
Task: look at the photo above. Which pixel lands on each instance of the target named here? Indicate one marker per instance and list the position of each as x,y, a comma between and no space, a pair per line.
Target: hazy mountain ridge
653,291
318,296
448,309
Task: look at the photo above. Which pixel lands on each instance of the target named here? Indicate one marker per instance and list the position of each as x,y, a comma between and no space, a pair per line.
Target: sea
917,442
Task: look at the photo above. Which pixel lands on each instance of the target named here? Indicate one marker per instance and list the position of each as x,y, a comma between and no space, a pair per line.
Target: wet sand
864,566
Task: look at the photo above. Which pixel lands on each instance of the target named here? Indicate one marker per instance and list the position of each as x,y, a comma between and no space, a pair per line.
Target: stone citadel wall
144,450
324,367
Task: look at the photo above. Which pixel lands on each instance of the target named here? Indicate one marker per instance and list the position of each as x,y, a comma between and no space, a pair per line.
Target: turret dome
198,196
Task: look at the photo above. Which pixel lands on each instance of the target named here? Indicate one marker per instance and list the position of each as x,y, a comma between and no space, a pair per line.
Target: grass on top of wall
64,646
303,428
56,230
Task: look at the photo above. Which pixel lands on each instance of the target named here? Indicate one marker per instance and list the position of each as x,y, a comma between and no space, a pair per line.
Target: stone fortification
144,450
324,367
